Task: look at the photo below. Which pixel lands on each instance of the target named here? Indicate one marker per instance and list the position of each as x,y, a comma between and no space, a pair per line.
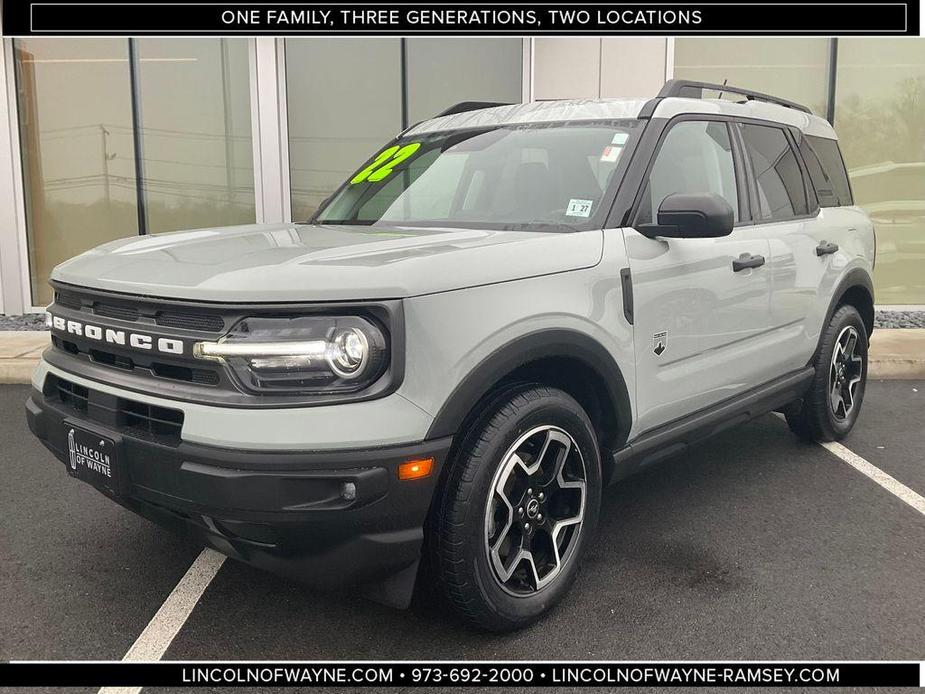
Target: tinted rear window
826,171
781,193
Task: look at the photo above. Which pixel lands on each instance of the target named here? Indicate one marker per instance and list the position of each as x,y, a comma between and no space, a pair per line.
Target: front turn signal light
416,469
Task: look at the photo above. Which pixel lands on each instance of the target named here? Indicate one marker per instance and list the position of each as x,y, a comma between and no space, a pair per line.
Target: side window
695,157
833,165
822,183
781,192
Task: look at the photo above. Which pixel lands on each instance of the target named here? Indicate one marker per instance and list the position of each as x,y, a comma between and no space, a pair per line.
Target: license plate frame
93,457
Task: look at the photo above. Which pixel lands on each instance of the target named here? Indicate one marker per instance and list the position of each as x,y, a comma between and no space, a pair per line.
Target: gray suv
504,310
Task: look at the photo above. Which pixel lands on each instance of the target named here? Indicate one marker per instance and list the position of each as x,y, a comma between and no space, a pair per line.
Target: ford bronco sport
502,311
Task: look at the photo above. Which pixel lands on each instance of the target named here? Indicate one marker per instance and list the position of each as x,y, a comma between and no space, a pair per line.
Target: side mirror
691,216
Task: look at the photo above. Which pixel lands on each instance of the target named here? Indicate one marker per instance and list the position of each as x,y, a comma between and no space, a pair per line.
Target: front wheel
518,509
831,406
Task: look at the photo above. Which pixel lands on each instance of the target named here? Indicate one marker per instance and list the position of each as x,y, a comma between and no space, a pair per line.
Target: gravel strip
883,319
29,321
900,319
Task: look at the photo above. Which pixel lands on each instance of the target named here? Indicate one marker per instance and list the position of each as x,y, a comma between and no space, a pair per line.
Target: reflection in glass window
826,170
78,145
197,152
445,71
347,96
344,98
781,191
695,157
792,68
880,119
529,177
75,118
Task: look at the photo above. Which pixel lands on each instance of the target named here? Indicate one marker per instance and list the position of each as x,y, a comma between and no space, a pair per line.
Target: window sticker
611,153
385,162
579,208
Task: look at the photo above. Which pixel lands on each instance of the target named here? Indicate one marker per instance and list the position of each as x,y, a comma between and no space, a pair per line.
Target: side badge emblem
660,342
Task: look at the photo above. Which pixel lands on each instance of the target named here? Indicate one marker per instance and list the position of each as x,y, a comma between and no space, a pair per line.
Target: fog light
348,491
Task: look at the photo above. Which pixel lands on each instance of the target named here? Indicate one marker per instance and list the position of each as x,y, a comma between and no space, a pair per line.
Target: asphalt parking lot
755,546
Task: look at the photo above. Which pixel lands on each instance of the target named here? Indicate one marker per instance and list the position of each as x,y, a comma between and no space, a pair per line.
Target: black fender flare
524,350
856,277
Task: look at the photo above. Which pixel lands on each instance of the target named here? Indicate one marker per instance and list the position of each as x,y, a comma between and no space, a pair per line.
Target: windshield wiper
538,225
346,222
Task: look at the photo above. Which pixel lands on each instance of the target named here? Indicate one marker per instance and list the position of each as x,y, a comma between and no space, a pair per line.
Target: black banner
461,674
708,18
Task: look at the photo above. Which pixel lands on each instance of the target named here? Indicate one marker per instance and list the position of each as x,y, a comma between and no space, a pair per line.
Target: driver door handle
747,260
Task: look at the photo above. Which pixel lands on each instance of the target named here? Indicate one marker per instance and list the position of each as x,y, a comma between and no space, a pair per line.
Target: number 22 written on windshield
385,162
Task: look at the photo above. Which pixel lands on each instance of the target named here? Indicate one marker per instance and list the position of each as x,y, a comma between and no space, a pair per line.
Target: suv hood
299,262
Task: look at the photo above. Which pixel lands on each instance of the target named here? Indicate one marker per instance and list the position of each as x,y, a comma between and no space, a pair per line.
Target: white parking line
153,642
891,484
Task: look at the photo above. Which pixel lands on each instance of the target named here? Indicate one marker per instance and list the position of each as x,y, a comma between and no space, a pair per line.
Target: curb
20,352
896,369
17,371
897,353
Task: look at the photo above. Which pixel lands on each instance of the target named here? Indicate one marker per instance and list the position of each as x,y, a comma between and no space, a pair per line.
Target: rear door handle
826,248
747,260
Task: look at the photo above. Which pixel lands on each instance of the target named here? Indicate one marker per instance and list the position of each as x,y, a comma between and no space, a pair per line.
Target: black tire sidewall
830,427
552,407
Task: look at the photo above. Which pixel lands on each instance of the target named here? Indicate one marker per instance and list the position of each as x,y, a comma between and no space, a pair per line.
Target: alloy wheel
535,510
845,373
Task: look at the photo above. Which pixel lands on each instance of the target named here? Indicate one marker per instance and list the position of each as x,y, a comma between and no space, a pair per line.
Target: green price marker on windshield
386,161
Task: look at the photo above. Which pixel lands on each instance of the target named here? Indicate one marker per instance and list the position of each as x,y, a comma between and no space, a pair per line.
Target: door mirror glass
691,216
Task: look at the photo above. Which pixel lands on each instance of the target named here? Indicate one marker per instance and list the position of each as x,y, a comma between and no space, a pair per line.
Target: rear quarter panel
852,230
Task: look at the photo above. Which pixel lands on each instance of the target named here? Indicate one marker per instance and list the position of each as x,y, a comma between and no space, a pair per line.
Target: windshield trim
451,224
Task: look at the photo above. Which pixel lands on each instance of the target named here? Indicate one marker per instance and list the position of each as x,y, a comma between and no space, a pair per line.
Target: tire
840,359
490,508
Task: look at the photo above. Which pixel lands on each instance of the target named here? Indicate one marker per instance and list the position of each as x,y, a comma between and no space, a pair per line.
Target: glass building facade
112,137
121,137
873,91
137,136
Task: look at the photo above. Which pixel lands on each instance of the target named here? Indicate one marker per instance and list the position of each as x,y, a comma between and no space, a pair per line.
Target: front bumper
284,511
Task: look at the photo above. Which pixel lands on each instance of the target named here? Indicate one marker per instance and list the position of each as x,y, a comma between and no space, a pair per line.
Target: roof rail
694,90
464,106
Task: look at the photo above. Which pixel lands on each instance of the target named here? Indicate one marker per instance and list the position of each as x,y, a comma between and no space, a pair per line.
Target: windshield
546,176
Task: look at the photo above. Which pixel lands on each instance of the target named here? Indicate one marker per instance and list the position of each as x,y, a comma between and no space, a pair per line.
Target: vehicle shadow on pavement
753,545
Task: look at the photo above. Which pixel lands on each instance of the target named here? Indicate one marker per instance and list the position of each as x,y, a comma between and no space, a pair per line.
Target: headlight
306,354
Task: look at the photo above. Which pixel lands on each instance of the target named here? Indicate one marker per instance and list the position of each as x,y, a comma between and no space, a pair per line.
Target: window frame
738,162
812,202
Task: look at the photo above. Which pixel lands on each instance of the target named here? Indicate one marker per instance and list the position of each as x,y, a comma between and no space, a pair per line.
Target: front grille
139,419
68,300
148,367
120,312
70,394
140,310
147,344
154,420
191,321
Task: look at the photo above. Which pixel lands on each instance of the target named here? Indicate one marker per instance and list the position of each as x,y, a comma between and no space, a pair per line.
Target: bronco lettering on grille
116,337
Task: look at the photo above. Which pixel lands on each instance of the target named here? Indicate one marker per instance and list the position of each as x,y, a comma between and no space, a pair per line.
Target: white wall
11,296
566,68
579,67
632,66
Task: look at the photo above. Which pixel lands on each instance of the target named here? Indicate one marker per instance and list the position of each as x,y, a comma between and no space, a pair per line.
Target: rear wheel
518,509
833,402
